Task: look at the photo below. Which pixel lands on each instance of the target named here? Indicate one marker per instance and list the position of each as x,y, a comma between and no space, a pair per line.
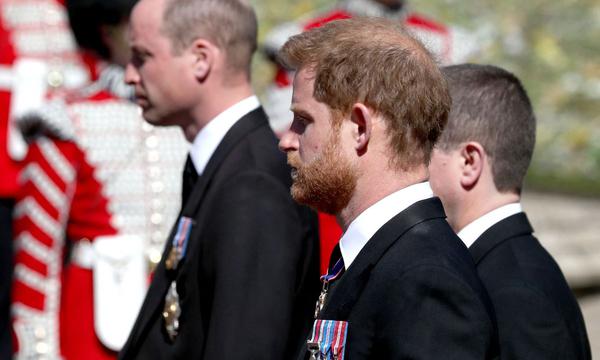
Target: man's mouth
294,173
142,101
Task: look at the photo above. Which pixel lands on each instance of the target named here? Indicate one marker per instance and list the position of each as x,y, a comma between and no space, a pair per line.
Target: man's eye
301,119
299,124
138,59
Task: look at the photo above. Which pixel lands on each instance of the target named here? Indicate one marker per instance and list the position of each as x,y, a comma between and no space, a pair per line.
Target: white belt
83,254
6,77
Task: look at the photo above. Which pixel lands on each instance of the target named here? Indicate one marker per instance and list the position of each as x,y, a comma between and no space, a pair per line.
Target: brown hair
375,61
490,106
229,24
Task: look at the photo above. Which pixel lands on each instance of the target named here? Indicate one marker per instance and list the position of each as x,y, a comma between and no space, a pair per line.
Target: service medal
326,279
172,259
179,243
172,311
328,340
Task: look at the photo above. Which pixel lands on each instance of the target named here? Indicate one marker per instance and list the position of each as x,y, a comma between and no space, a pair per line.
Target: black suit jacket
413,293
248,283
538,316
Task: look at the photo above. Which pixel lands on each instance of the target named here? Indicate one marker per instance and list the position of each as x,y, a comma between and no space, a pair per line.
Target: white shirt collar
373,218
470,233
210,136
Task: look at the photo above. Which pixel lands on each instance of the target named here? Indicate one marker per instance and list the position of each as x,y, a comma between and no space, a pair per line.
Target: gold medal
172,259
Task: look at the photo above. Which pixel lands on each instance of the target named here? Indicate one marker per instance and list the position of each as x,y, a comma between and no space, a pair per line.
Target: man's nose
131,75
288,141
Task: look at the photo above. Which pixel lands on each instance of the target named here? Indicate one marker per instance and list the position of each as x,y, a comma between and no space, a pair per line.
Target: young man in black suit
477,169
239,274
369,103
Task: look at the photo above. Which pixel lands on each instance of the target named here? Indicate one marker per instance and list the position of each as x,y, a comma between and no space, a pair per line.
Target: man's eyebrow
298,111
139,49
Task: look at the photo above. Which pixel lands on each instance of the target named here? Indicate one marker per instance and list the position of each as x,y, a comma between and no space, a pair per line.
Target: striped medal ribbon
179,243
328,340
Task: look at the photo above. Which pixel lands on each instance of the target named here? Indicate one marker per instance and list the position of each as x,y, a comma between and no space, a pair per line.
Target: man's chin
299,196
150,115
302,197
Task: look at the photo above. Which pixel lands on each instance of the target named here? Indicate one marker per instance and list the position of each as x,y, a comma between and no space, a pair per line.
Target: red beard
326,183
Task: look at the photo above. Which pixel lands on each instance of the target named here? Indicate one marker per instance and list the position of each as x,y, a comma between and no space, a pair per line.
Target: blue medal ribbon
336,271
180,240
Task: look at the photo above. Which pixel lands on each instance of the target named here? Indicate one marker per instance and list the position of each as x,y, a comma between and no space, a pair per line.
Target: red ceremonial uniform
9,168
441,40
97,179
34,34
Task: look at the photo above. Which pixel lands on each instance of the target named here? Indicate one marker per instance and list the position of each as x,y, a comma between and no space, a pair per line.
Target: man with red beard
449,45
369,103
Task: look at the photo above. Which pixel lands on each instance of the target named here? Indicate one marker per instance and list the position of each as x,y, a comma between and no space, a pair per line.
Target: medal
336,272
328,340
179,243
313,348
172,311
321,300
172,261
172,308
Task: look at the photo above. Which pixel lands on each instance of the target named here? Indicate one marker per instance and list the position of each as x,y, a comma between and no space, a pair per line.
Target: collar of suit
349,287
210,136
510,227
470,233
369,221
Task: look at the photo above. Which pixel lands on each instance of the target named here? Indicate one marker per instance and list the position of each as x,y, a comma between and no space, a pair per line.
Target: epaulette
51,119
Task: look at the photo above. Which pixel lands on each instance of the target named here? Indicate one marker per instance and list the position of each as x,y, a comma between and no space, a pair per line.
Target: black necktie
190,177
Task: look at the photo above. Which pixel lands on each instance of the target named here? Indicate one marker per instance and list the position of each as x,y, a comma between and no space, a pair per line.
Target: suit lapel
348,289
510,227
245,125
160,282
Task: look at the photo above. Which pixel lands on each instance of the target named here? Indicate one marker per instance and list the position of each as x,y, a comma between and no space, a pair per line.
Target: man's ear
473,159
204,53
362,119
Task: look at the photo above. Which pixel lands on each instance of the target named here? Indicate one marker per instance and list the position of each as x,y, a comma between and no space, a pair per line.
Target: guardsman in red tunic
448,44
37,56
8,186
99,188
